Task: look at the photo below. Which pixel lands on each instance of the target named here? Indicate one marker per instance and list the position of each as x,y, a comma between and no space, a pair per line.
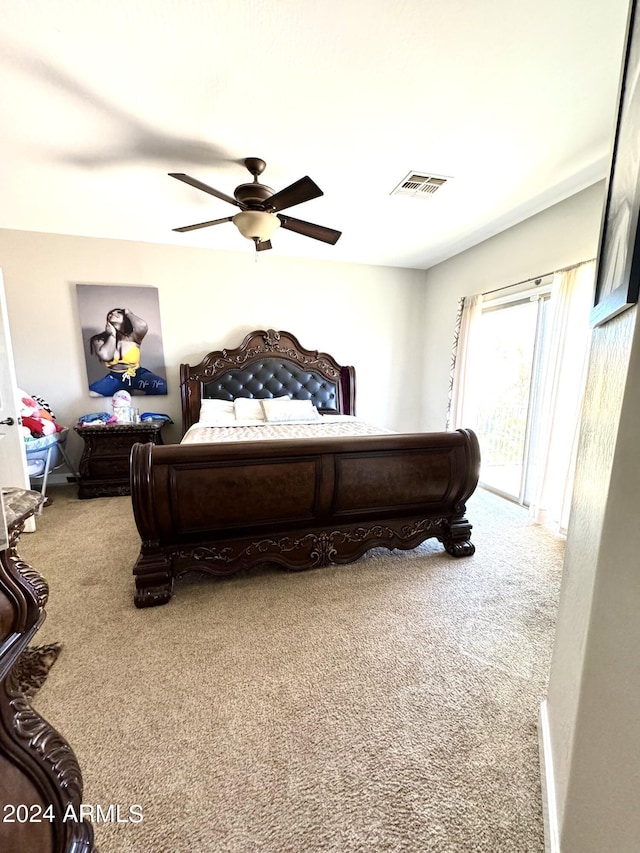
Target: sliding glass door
510,342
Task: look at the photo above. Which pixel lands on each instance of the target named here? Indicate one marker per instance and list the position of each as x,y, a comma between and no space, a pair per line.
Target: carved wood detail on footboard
301,503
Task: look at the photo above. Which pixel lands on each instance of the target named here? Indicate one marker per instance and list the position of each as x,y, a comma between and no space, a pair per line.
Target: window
518,381
510,338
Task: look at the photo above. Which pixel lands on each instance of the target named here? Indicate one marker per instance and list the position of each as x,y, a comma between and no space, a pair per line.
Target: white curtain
464,405
562,385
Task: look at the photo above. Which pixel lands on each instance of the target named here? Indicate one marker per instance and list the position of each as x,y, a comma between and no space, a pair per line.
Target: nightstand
104,465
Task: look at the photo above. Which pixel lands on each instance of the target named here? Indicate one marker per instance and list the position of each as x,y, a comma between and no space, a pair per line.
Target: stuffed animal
37,420
121,404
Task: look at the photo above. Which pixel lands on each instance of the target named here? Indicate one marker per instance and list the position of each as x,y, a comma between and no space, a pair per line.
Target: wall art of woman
118,348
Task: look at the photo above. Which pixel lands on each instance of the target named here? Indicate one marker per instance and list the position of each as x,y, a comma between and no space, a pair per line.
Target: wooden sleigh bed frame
300,503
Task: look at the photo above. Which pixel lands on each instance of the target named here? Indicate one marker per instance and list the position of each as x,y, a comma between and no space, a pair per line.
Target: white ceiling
512,99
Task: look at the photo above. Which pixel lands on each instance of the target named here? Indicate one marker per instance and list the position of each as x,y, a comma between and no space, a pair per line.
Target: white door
13,459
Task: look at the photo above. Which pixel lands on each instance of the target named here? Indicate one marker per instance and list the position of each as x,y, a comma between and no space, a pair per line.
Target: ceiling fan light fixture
261,208
256,224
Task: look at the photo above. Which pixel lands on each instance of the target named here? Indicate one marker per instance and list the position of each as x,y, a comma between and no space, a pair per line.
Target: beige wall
594,686
565,234
209,299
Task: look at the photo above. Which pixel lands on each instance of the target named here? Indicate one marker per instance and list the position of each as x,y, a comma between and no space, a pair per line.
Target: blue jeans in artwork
143,380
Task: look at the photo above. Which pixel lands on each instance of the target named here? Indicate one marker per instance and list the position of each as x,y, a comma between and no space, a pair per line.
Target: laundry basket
46,453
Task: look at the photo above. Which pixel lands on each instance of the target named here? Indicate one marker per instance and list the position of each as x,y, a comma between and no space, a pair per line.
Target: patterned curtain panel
454,356
463,407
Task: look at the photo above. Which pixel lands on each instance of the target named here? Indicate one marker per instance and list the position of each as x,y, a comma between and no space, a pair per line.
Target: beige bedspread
329,426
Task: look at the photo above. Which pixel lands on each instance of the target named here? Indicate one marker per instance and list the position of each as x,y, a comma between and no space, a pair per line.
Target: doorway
13,460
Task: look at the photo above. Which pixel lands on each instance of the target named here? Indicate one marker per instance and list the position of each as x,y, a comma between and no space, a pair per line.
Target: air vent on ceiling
420,185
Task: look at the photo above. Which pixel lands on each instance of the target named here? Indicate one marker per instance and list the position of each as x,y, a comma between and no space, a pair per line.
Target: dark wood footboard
220,508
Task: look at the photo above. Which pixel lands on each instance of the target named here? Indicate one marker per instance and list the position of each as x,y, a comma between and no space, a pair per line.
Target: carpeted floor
390,705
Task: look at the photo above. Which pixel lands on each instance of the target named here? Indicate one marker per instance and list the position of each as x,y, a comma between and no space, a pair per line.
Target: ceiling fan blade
261,246
308,229
204,224
194,182
303,190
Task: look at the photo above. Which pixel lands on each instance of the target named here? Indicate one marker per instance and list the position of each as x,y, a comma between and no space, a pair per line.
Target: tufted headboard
268,364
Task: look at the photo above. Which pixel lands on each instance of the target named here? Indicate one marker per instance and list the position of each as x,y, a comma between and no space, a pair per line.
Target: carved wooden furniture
39,775
300,503
104,465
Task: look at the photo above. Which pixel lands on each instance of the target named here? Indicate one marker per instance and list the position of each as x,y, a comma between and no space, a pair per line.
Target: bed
326,492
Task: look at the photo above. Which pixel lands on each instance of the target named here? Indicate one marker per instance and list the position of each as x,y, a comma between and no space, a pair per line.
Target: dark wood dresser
40,781
104,465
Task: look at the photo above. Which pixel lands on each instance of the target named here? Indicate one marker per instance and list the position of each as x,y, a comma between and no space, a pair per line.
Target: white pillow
283,410
247,409
217,413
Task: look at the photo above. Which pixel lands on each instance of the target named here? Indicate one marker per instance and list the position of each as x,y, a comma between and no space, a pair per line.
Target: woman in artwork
118,347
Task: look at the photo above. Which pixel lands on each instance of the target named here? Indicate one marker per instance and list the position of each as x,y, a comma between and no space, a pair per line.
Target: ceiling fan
259,207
